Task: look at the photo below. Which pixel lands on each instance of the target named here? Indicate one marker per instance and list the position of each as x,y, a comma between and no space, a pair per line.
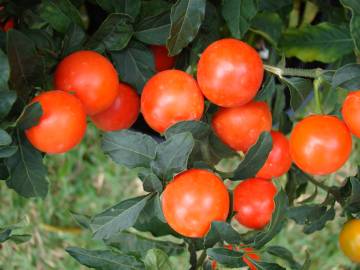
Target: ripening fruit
349,240
162,59
279,159
169,97
9,24
91,77
320,144
254,202
351,112
62,124
122,113
230,72
194,199
240,127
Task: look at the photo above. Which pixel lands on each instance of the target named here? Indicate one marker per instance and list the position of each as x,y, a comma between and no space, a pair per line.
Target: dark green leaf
285,124
30,116
73,39
27,67
157,259
172,155
117,218
60,14
130,243
218,148
267,90
324,42
154,29
284,254
129,148
273,5
154,7
277,221
255,158
353,201
4,71
104,259
198,129
299,88
7,100
8,151
278,104
4,235
151,183
354,6
27,171
260,265
186,18
4,171
20,238
113,34
129,7
269,25
296,184
135,64
221,231
347,77
82,220
224,256
307,263
5,138
238,15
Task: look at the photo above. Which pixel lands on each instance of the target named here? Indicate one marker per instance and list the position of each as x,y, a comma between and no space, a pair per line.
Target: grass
86,181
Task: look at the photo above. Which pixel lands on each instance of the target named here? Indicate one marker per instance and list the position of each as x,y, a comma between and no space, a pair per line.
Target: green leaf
198,129
218,148
273,5
299,88
172,155
7,100
4,235
20,238
221,231
60,14
154,29
117,218
260,265
151,183
354,6
278,104
129,148
226,257
27,171
104,259
113,34
30,116
73,39
8,151
238,15
284,254
255,158
353,201
27,67
128,7
5,138
269,25
323,42
296,184
154,7
4,71
186,18
4,172
157,259
277,221
83,220
135,64
267,90
347,77
130,243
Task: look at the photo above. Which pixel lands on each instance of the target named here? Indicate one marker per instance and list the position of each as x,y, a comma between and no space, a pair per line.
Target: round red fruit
162,59
122,113
320,144
254,202
351,112
279,159
230,72
194,199
62,124
169,97
240,127
91,77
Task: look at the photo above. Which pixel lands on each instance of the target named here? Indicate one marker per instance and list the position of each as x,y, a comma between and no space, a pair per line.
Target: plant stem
201,259
317,97
281,72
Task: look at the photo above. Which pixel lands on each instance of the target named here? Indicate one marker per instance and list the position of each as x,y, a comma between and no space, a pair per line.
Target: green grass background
86,181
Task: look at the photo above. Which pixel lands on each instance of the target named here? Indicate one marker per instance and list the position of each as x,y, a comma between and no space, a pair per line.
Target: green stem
317,97
281,72
201,259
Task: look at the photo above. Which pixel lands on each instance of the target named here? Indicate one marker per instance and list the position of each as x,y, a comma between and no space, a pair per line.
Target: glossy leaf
238,15
151,182
273,5
135,64
347,77
104,259
129,148
30,116
299,88
226,257
156,259
73,39
198,129
4,71
354,6
221,231
8,151
269,25
5,138
324,42
129,7
117,218
172,155
7,100
260,265
255,158
284,254
186,18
